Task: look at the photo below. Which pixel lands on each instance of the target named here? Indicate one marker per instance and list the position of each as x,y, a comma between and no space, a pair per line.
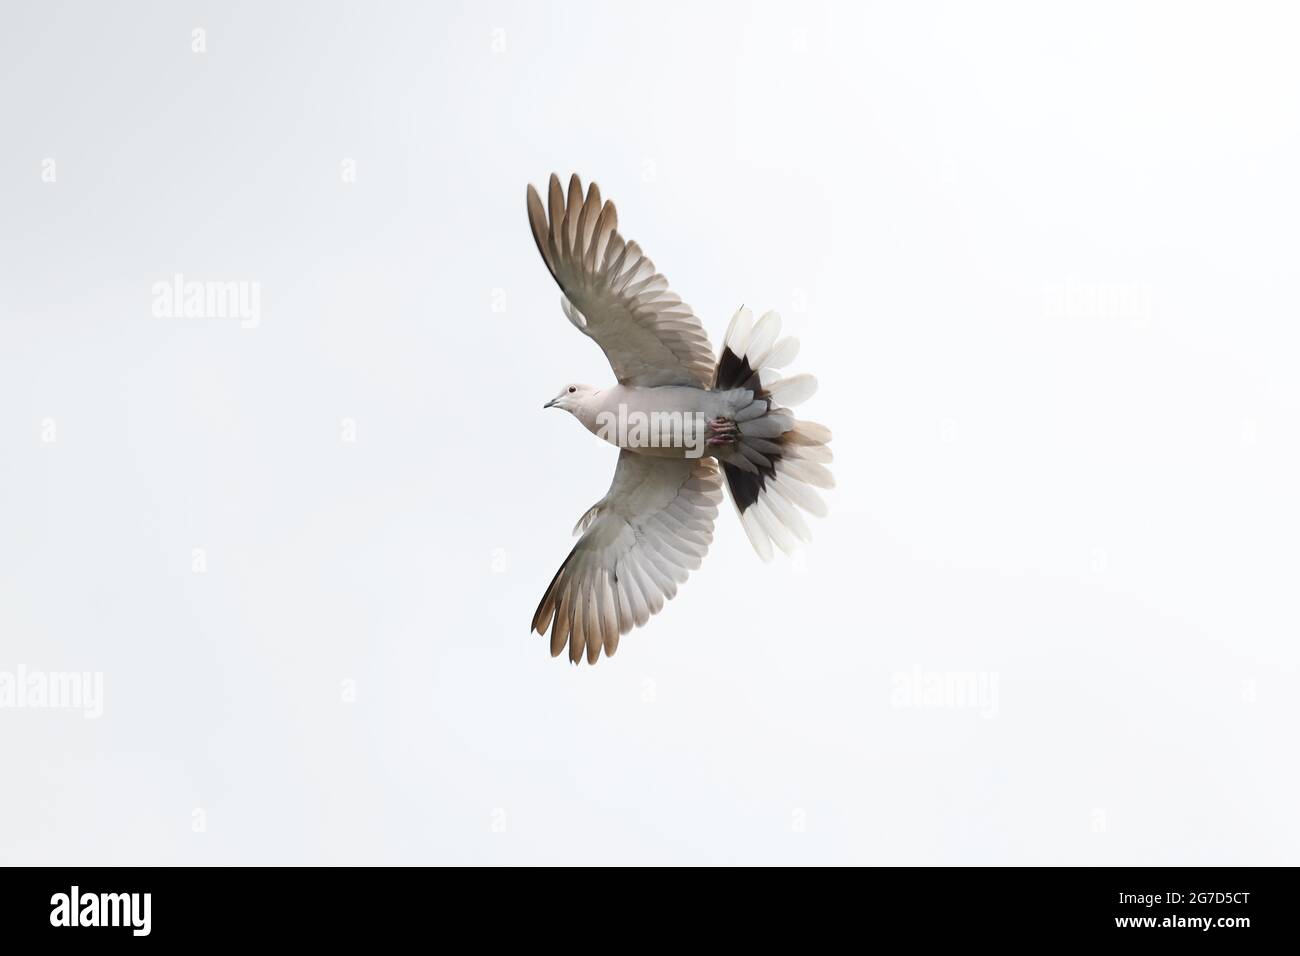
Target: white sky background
1097,507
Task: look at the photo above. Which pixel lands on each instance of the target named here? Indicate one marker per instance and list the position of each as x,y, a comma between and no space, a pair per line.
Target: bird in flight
681,420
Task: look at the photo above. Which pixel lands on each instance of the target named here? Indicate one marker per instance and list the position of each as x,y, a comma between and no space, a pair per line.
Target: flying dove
676,415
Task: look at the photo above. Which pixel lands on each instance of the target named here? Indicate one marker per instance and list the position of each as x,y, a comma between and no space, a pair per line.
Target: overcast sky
1041,257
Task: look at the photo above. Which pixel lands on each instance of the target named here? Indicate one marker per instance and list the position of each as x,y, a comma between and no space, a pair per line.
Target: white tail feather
782,354
757,536
793,390
762,338
737,337
778,461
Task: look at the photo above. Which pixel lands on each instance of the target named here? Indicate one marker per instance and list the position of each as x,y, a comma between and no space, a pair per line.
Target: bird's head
571,397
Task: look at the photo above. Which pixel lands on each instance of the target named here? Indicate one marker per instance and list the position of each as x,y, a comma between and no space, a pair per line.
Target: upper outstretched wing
640,541
613,294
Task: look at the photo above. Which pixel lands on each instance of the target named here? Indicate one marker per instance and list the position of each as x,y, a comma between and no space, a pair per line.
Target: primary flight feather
681,420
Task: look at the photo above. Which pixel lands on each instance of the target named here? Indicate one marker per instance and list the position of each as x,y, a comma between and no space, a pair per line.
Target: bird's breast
667,421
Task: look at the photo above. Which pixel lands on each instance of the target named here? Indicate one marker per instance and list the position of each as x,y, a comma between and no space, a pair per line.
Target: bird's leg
721,431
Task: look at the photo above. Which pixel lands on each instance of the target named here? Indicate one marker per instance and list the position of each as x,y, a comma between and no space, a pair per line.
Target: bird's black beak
550,403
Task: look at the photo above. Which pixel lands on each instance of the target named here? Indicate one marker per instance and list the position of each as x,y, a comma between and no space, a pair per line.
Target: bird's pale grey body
674,398
667,404
682,420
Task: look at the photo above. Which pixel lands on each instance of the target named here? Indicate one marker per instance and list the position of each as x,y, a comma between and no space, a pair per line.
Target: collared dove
676,415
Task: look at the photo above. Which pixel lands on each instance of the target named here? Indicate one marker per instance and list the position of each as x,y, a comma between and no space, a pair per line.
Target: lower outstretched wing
640,542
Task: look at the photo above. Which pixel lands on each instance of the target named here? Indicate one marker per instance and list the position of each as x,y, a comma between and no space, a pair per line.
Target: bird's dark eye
573,388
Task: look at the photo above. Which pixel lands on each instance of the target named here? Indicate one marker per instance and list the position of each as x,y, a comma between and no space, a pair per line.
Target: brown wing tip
536,211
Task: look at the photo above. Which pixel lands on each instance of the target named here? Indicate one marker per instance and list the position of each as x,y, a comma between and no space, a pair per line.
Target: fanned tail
778,462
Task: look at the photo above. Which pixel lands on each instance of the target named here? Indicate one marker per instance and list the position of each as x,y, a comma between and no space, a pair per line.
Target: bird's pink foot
721,431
